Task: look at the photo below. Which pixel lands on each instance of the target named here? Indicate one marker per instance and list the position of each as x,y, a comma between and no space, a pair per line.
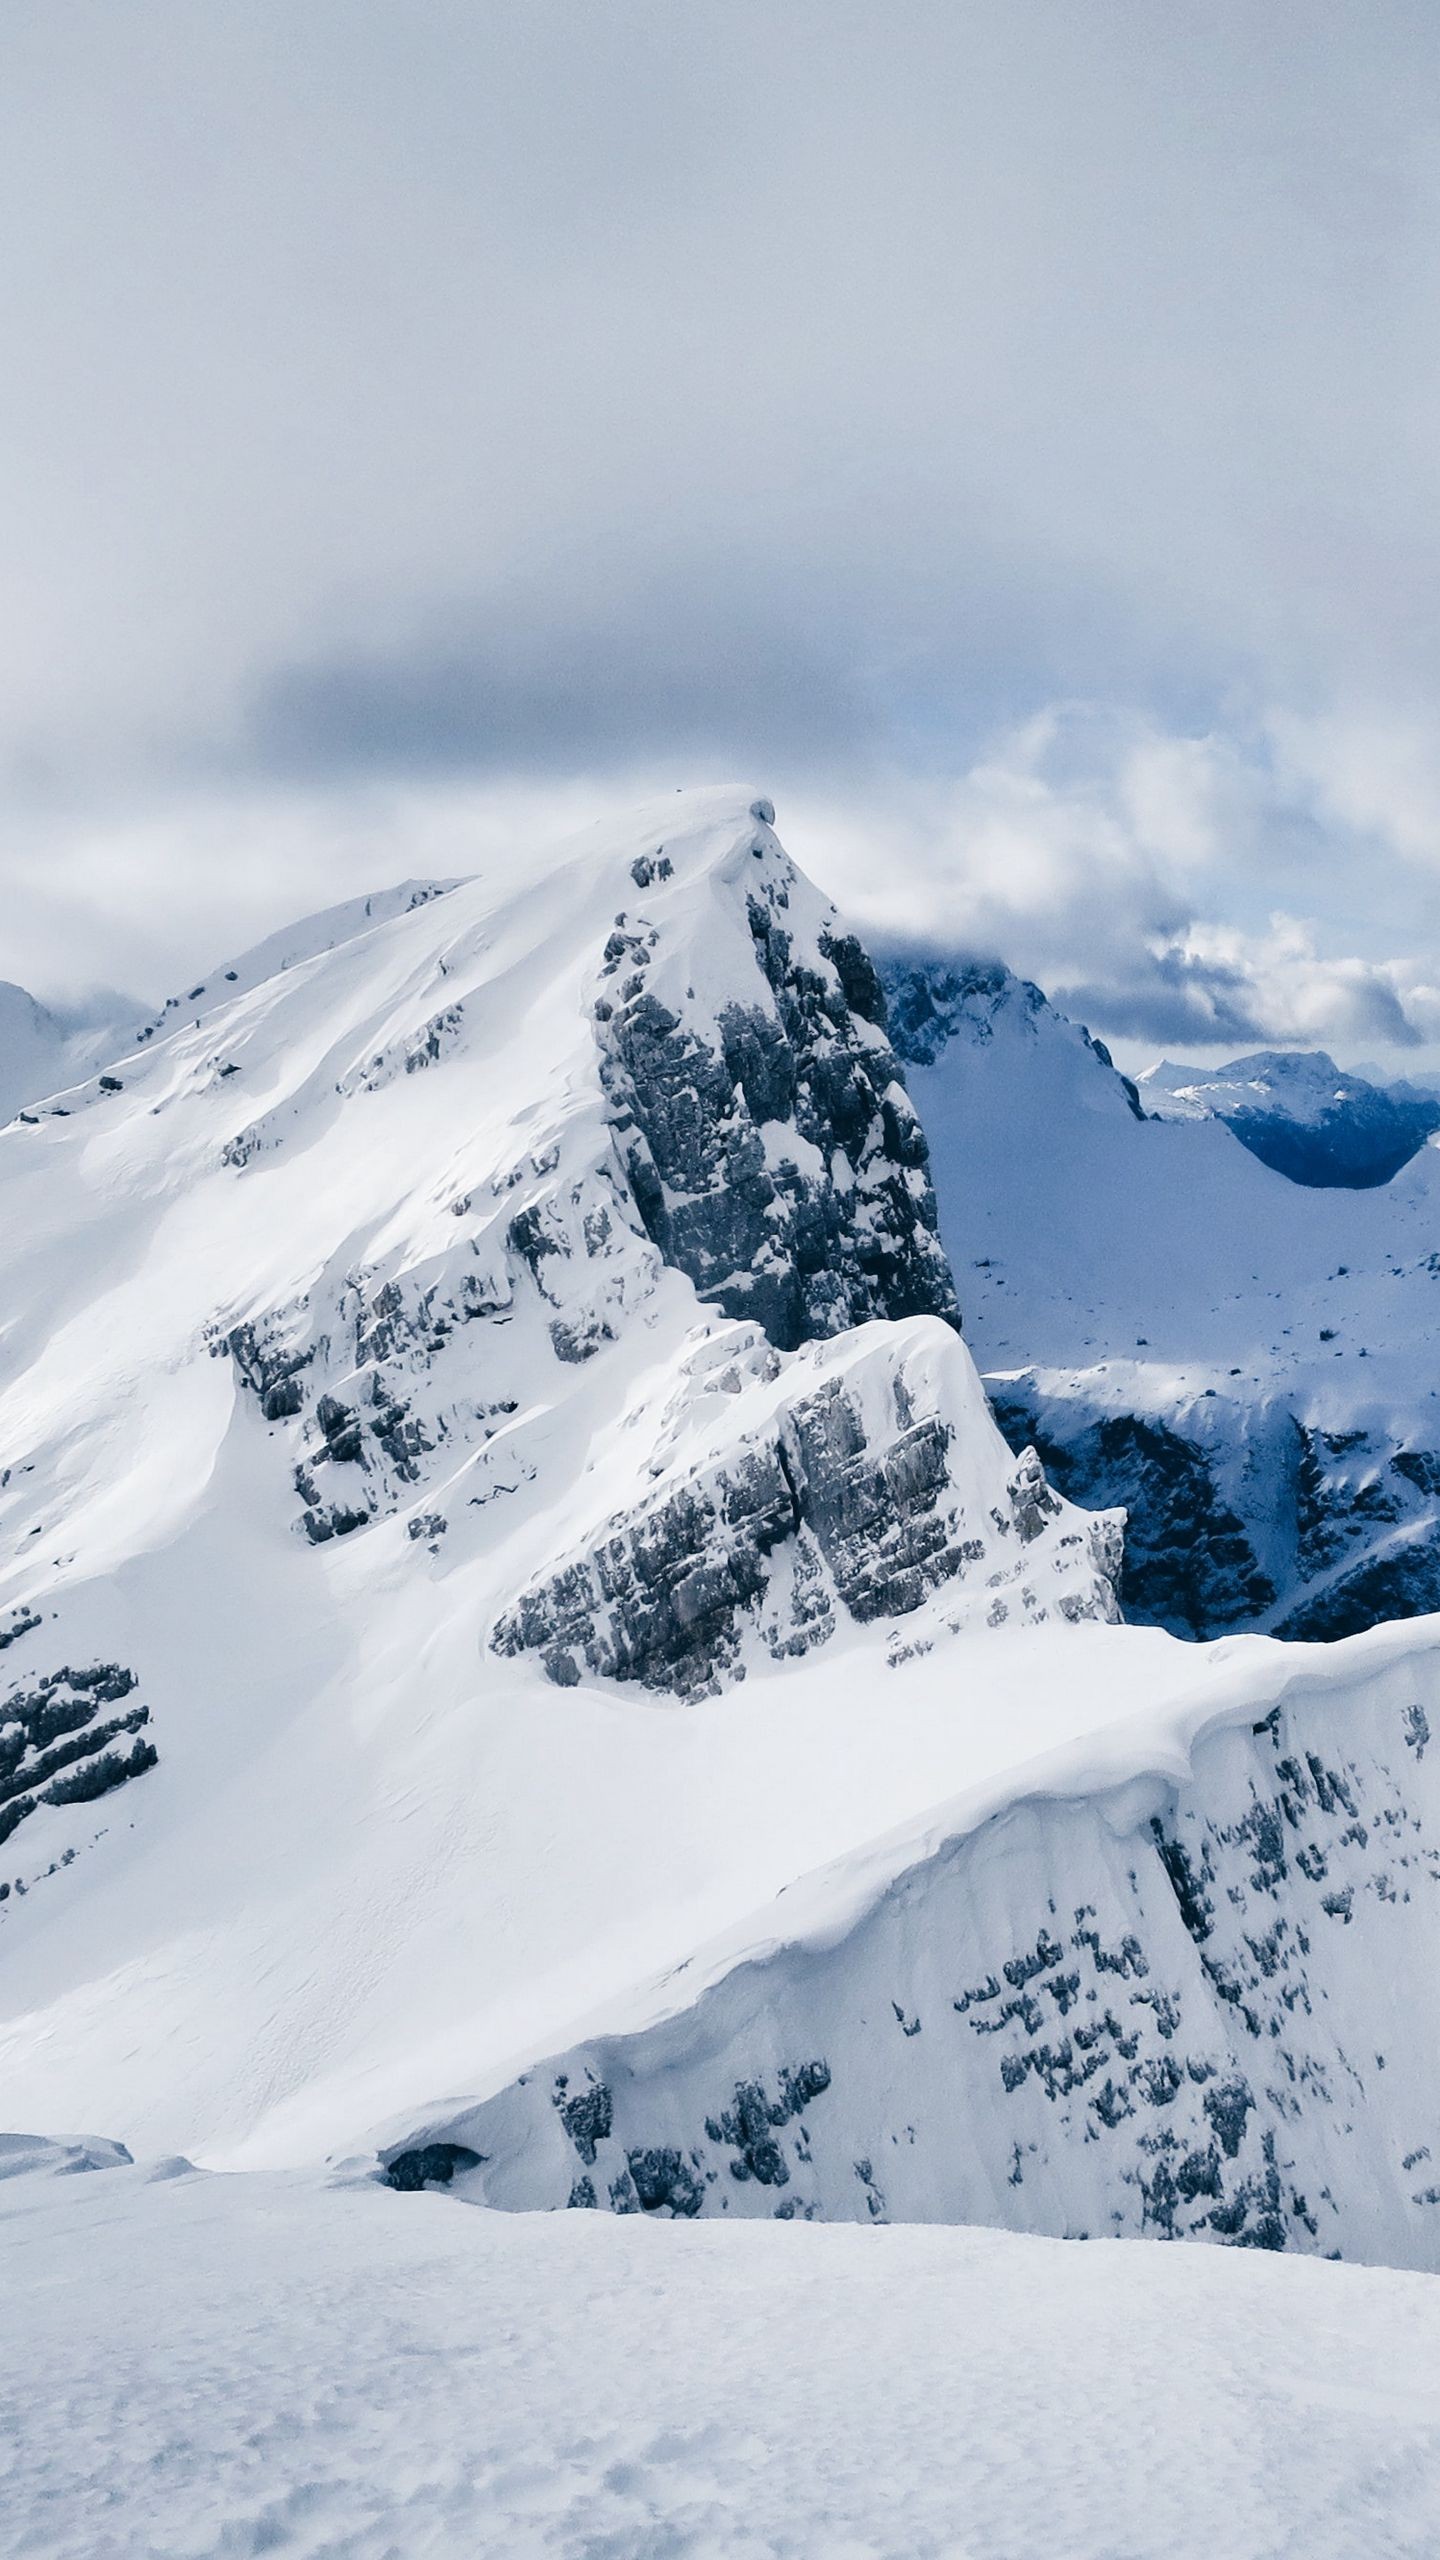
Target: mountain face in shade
42,1051
1245,1364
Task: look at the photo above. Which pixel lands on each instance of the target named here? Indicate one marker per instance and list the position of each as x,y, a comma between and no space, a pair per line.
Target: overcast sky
1008,434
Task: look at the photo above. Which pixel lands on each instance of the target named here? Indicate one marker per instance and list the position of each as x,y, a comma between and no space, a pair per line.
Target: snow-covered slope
484,1325
260,2364
1247,1365
1300,1113
44,1053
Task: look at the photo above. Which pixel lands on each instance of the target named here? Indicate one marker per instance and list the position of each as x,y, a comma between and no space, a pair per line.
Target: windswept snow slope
359,2374
1197,2002
1248,1366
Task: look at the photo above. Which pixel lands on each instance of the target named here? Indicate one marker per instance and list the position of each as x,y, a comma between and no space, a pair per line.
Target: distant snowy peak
42,1051
933,1003
1303,1084
1300,1113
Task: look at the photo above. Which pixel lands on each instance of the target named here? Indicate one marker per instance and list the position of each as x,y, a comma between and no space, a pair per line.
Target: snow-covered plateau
530,1674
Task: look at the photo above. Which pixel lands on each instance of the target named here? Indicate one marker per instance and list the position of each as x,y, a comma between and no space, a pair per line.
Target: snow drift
1200,2002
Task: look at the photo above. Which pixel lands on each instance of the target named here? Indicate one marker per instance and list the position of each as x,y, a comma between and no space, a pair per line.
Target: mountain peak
1298,1112
482,1325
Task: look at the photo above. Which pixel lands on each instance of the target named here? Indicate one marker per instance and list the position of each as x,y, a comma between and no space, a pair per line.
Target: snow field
207,2368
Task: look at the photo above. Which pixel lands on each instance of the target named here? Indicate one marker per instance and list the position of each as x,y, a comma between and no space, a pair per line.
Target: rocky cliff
857,1483
1199,2005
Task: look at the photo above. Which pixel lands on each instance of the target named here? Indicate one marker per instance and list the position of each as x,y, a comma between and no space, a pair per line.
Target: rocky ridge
862,1479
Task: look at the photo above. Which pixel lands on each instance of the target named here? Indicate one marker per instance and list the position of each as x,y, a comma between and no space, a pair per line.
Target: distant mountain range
1247,1363
1298,1111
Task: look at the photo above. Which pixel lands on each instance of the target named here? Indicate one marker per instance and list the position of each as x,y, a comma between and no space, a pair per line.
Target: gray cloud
1017,352
1192,1000
531,692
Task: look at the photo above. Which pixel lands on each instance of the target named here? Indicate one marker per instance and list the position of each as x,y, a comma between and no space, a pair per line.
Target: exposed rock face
1401,1581
1313,1534
67,1738
1189,1565
1151,2014
860,1480
1367,1533
929,1001
773,1151
389,1382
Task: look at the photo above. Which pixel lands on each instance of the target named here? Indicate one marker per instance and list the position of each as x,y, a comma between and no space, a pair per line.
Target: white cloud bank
1129,870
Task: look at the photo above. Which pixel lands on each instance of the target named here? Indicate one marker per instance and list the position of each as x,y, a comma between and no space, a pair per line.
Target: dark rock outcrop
1343,1534
59,1746
833,1220
1189,1564
431,2164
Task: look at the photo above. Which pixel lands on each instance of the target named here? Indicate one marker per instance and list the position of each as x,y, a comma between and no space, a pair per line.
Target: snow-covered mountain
527,1659
467,1301
1246,1364
1298,1111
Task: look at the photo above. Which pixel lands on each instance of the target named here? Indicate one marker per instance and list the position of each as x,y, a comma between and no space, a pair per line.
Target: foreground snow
208,2366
